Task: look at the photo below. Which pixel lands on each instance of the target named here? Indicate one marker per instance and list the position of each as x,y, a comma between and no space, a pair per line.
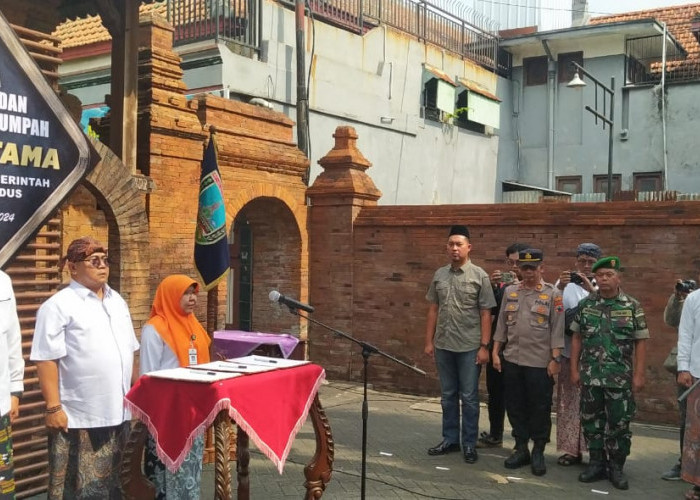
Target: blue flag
211,256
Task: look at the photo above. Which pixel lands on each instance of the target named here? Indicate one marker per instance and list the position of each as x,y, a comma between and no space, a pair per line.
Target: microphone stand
367,350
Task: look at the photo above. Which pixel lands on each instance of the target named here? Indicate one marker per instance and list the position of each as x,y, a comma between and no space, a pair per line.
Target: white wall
373,83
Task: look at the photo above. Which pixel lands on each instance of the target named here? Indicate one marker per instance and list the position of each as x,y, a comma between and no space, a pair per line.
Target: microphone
275,296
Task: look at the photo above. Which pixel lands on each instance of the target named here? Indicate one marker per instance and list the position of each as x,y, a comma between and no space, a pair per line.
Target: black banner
43,151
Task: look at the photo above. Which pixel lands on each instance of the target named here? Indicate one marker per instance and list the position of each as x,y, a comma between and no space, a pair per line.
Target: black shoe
617,477
470,455
597,468
519,457
538,466
443,448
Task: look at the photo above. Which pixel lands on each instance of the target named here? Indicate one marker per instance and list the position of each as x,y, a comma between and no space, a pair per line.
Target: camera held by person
685,286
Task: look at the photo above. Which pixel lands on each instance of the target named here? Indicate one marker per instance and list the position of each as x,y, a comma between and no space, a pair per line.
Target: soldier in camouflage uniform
609,331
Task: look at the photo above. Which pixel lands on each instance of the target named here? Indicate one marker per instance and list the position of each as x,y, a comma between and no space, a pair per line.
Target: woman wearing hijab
173,337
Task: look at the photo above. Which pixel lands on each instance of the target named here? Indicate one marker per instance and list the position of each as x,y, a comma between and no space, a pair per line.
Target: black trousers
497,400
528,401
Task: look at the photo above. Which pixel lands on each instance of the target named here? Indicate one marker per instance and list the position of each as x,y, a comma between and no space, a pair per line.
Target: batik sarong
85,463
690,461
569,434
7,468
184,484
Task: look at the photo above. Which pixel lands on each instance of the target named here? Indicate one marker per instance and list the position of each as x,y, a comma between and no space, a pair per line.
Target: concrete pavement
402,427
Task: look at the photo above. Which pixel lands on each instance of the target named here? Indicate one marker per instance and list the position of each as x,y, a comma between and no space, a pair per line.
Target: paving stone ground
402,427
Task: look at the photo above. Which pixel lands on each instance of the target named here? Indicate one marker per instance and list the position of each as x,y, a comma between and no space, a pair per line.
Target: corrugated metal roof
438,73
475,87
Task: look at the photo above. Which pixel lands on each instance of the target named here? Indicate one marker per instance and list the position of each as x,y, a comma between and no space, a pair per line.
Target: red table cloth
270,407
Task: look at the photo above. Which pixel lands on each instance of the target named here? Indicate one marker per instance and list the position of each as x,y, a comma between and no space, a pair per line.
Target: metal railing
227,20
644,64
419,18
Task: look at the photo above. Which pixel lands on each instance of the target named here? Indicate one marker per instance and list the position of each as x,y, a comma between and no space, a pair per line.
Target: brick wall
261,171
395,251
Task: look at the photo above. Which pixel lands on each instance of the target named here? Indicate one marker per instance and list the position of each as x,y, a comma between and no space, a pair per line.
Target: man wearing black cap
457,335
576,285
608,352
531,324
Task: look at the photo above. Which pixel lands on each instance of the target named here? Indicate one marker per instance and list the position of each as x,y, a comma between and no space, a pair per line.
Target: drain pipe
663,108
551,88
302,98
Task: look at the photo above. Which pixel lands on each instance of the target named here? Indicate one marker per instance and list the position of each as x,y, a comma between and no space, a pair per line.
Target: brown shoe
489,441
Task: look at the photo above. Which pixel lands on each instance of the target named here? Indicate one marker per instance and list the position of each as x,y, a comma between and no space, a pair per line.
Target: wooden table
150,394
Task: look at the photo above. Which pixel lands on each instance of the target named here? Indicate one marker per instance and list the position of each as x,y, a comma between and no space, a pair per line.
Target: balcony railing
644,63
227,20
419,18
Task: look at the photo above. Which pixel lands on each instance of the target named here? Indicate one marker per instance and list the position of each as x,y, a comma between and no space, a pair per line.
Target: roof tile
86,31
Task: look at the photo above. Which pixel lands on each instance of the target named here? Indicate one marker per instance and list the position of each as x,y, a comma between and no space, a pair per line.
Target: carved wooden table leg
318,471
243,459
134,484
222,473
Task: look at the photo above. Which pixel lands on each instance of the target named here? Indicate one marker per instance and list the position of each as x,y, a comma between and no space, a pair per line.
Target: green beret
606,263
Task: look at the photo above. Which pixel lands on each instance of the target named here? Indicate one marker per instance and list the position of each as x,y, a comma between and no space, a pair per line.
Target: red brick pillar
336,197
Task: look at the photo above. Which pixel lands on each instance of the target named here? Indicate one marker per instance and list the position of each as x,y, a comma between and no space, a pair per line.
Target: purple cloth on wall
235,343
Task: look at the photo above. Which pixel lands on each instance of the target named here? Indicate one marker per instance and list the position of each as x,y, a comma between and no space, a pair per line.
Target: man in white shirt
11,381
688,374
575,285
83,346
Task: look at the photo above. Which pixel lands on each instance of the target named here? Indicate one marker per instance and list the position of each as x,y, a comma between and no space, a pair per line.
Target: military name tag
621,313
592,312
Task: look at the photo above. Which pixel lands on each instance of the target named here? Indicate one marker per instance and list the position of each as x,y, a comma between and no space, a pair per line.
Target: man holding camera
672,317
608,351
576,285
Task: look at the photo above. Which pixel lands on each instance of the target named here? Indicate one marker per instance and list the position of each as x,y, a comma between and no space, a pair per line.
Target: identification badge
193,356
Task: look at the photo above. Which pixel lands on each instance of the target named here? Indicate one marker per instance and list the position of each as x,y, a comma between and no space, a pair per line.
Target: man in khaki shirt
457,335
531,321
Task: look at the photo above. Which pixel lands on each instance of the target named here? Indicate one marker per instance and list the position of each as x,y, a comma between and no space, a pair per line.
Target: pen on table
196,370
266,360
234,363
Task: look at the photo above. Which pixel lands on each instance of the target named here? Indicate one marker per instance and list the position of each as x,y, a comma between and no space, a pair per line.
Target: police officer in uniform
608,351
531,325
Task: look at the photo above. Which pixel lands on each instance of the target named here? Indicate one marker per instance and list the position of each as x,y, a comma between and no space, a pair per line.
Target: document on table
273,363
190,374
233,366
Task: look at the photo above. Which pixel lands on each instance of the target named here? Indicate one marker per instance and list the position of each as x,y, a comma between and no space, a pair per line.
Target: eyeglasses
96,260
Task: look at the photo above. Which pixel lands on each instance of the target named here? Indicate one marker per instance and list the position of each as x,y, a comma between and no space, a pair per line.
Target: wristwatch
557,359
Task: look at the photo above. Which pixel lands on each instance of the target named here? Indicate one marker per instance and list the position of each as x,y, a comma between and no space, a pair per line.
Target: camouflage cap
607,263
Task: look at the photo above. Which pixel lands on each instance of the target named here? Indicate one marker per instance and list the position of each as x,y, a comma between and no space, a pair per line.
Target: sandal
567,460
486,440
693,493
